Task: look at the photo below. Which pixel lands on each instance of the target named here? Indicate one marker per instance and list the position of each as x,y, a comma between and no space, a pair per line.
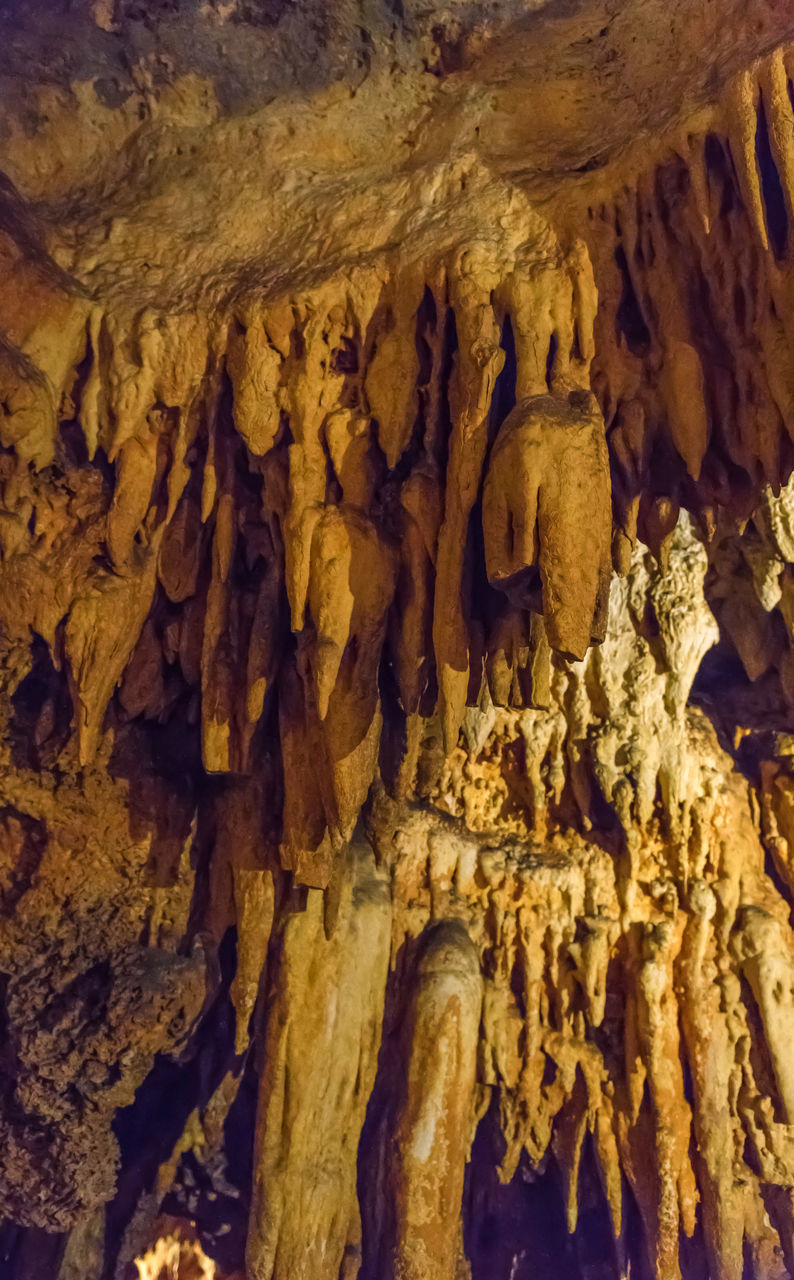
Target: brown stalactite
546,502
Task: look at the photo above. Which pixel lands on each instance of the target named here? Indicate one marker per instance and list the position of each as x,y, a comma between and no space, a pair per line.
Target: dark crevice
29,1253
426,322
41,711
23,840
475,594
504,393
771,189
449,353
724,692
148,1130
722,174
772,873
551,359
517,986
633,1248
631,322
517,1230
594,1239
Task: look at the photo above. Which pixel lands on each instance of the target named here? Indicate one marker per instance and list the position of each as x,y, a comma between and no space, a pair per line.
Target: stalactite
393,370
478,361
549,468
101,631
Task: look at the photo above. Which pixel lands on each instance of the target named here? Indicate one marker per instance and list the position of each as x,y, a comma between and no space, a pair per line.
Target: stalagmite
706,1035
321,1049
676,1195
433,1125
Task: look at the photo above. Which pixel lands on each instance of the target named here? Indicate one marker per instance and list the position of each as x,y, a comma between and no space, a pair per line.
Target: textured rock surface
396,640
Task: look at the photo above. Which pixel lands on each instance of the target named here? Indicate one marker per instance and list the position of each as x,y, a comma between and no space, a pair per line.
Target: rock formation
396,640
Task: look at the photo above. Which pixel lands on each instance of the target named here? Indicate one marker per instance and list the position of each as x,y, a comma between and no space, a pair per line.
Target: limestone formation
396,640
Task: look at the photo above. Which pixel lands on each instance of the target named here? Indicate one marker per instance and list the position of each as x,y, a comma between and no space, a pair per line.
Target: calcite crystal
396,640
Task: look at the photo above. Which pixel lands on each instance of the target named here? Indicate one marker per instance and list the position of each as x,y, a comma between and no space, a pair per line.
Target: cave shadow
148,1130
518,1230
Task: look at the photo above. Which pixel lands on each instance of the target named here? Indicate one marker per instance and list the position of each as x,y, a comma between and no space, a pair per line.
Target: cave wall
396,648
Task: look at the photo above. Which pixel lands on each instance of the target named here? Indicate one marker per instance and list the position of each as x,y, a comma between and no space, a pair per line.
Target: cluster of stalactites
694,333
645,1009
614,1000
400,482
637,981
315,469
